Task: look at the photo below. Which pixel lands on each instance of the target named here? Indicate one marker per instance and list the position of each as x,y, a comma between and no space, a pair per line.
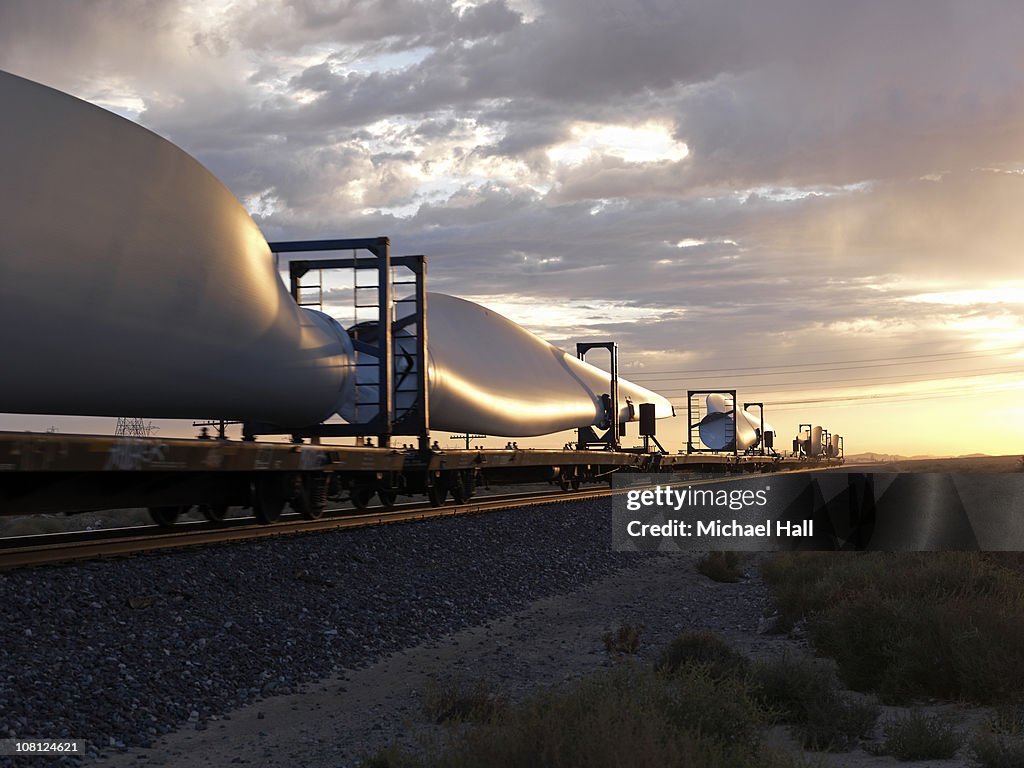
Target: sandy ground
335,722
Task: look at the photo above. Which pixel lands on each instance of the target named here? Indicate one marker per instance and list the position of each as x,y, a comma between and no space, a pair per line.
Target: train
63,473
133,282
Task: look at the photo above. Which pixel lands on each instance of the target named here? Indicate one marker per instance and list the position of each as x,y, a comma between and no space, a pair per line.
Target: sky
815,203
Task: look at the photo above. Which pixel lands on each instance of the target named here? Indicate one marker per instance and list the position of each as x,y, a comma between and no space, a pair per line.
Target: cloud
825,161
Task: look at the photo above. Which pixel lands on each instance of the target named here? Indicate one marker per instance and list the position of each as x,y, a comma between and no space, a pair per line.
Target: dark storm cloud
289,26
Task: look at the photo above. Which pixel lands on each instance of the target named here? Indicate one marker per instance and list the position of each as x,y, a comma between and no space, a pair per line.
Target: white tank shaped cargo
716,430
816,441
133,282
488,374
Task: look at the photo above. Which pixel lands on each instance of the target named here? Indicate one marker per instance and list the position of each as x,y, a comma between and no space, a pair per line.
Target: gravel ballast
120,652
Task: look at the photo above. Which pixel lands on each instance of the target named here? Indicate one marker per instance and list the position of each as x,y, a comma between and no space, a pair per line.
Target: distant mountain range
870,456
866,457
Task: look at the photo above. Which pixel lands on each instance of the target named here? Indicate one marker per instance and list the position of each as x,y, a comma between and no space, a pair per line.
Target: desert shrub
722,709
797,582
788,686
1000,742
921,737
908,625
807,695
624,641
958,647
865,638
700,648
837,723
720,566
990,750
462,701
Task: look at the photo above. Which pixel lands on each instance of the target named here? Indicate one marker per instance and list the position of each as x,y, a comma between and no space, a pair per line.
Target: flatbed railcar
53,473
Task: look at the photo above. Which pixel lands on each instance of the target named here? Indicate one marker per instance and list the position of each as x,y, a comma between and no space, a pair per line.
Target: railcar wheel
469,480
564,480
387,497
333,488
575,482
310,499
269,498
215,513
360,497
457,485
437,493
462,484
166,517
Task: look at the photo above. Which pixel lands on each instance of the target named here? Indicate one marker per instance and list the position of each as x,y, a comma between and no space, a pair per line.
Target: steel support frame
760,450
611,437
692,426
810,438
384,425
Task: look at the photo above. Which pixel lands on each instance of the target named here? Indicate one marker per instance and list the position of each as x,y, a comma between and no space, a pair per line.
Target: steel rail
50,549
119,542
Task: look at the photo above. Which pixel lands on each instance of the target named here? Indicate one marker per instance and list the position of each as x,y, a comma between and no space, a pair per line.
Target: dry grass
624,641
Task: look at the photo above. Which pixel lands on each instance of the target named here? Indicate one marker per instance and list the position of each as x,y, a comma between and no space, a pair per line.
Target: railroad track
47,549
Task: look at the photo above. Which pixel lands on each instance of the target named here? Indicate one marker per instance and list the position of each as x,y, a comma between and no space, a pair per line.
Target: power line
766,349
846,381
936,357
761,373
891,398
935,395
